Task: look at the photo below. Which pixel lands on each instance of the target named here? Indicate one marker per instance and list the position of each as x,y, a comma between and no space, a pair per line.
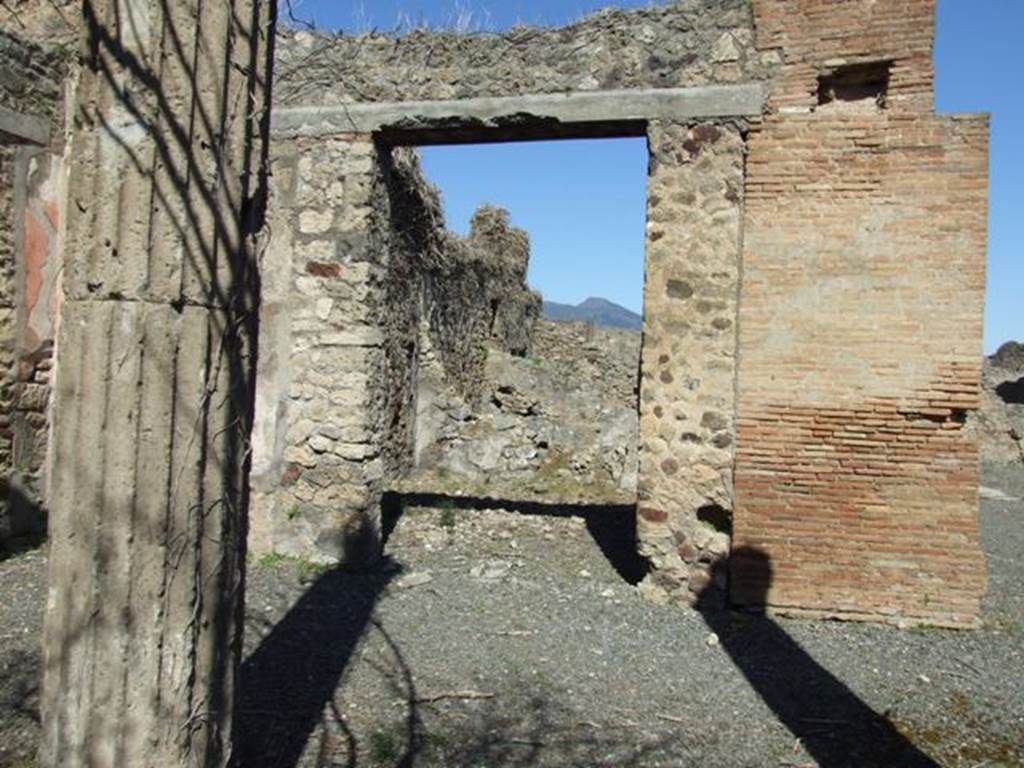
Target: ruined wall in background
466,290
690,43
998,425
558,426
608,359
359,276
860,326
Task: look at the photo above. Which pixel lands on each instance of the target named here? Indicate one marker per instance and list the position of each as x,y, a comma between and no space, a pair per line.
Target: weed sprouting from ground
449,516
276,560
384,747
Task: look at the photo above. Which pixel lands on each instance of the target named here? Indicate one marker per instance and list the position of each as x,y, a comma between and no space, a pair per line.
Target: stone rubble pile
999,423
560,425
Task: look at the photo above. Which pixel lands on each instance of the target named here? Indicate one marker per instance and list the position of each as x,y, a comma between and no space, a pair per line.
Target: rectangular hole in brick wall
856,85
521,267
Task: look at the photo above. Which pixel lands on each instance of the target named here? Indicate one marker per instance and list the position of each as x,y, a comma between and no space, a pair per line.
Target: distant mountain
596,311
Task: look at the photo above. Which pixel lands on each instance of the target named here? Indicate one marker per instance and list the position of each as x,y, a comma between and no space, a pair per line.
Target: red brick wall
815,35
859,351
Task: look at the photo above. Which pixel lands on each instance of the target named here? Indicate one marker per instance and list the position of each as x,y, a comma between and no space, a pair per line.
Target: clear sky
583,201
978,69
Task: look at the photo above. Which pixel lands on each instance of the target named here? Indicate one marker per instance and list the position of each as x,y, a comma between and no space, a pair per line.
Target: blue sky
583,202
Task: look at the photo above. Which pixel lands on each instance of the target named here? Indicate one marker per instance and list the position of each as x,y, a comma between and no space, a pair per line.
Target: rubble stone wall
558,426
689,43
688,363
317,442
608,359
359,277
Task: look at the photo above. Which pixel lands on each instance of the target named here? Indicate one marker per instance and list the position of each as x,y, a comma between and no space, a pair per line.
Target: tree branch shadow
294,673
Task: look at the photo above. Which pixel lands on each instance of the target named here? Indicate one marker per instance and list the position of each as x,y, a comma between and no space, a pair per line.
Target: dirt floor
515,639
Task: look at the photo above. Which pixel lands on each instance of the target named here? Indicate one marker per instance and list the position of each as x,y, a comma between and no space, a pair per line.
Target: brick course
860,336
816,36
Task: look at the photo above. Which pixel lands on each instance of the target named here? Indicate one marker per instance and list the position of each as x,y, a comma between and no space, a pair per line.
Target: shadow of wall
833,724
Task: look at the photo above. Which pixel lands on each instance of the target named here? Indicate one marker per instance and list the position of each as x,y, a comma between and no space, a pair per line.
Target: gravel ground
511,639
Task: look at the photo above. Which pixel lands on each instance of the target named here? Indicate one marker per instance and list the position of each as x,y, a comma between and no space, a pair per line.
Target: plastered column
153,391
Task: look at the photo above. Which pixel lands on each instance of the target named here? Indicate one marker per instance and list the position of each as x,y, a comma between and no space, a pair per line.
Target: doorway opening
526,266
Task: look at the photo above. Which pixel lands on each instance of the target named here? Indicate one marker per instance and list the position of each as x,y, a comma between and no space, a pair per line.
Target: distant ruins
813,301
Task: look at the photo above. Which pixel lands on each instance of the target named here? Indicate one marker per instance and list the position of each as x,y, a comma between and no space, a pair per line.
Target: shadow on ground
835,727
293,703
292,711
19,707
611,526
292,678
536,727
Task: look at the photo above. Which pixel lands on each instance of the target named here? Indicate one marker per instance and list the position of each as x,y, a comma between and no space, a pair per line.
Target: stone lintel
21,128
514,118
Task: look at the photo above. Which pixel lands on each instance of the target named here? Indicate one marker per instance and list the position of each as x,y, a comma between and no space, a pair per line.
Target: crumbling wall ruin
607,358
558,426
361,283
469,290
998,425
